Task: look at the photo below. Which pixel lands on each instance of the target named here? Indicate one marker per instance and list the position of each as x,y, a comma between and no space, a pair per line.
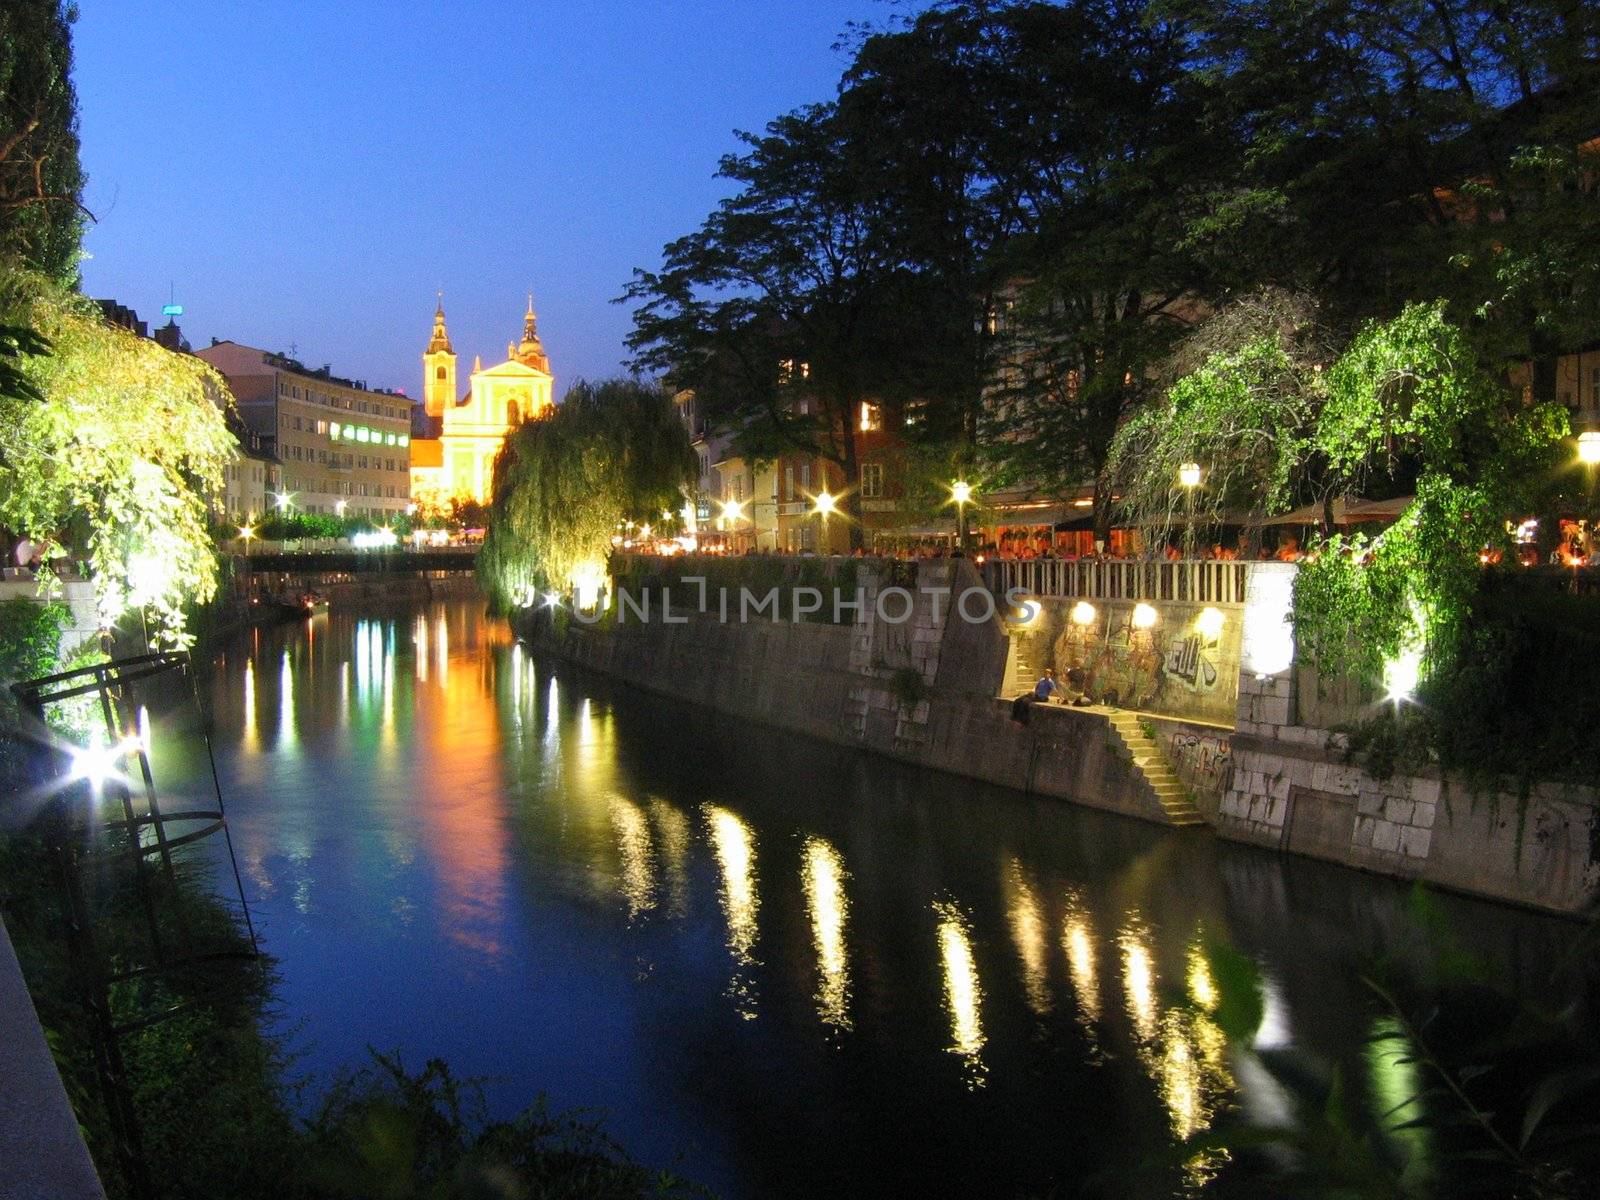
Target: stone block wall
838,683
1292,789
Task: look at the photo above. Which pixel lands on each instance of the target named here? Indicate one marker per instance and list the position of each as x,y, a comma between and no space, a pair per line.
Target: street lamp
1189,477
283,500
247,532
825,505
732,511
961,493
1589,447
339,507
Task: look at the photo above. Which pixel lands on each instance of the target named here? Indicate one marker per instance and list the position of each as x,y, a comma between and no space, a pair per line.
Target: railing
1191,581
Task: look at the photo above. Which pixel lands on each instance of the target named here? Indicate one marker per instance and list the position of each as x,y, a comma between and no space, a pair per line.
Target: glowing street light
339,506
961,493
1189,477
824,506
284,500
247,532
1589,448
732,510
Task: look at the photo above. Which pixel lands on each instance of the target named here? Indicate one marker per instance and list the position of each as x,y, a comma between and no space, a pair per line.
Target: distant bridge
399,560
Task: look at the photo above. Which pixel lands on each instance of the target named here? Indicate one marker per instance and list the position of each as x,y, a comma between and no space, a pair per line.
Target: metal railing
1193,581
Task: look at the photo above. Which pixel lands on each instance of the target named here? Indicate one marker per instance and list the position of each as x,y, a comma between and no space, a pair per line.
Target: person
1046,687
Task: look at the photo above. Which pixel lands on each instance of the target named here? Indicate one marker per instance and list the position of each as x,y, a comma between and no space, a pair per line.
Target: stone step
1148,759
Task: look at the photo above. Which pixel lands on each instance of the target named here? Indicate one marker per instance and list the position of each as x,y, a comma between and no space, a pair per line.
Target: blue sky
308,174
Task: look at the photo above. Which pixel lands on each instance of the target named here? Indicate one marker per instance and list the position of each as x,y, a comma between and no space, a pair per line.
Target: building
341,447
458,437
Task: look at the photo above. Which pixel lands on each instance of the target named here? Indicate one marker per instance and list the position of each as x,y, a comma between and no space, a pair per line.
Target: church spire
441,339
531,352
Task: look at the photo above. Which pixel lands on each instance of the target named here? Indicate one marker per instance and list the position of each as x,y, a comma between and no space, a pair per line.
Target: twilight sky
308,174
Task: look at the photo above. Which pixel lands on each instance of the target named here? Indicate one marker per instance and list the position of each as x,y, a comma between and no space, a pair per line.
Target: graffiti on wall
1204,761
1192,661
1177,668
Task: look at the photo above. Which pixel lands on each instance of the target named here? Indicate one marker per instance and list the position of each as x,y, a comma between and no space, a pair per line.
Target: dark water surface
807,971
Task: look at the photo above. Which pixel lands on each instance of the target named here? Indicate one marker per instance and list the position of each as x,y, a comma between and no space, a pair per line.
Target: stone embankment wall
1293,788
923,690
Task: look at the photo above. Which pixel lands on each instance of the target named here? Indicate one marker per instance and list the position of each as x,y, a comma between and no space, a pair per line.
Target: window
438,373
322,456
788,482
322,426
805,475
871,418
871,480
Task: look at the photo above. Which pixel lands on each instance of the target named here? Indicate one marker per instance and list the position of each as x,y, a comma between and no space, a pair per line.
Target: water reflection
672,832
962,993
1030,933
465,854
637,880
734,847
1077,939
823,876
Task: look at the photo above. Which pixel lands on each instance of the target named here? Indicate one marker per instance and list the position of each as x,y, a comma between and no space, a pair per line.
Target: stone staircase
1151,762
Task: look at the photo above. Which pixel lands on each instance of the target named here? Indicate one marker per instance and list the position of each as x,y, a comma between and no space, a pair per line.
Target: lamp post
1189,477
961,493
732,510
247,532
825,504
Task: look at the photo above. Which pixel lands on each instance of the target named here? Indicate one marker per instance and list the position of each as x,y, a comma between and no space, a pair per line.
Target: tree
563,485
1390,143
1245,396
113,460
41,179
1112,168
790,306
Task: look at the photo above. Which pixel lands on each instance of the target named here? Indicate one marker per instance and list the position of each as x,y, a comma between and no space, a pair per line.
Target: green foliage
1244,412
41,178
114,466
1464,1090
30,639
385,1131
564,485
1411,391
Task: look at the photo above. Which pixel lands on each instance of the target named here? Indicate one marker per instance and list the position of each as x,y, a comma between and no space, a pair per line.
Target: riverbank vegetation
609,457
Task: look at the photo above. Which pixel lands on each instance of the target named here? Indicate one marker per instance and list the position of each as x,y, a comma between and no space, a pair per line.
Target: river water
782,968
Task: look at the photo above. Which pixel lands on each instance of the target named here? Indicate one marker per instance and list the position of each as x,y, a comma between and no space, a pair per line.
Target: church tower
438,368
531,352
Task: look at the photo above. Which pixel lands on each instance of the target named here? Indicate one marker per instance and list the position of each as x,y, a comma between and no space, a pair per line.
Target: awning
1347,510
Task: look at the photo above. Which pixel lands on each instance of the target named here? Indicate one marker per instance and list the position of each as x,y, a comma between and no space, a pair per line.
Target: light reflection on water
792,963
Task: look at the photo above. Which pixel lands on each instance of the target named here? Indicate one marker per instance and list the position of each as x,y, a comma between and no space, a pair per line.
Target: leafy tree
1402,152
1244,408
114,464
1414,387
1111,162
41,179
785,310
610,452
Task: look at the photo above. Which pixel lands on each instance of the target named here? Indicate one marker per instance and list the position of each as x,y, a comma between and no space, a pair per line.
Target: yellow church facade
465,431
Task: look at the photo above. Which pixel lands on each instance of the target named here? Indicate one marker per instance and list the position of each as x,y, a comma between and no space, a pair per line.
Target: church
455,437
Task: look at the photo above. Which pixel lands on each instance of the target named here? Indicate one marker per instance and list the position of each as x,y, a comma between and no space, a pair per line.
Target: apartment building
340,446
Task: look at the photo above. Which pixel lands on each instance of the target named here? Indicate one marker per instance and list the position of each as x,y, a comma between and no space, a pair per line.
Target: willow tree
564,485
1411,395
1243,407
110,455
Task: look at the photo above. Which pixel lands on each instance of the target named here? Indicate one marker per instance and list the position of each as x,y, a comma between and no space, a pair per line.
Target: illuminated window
871,419
805,475
871,480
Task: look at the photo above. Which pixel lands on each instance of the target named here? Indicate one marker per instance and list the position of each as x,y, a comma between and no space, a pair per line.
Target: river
782,968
